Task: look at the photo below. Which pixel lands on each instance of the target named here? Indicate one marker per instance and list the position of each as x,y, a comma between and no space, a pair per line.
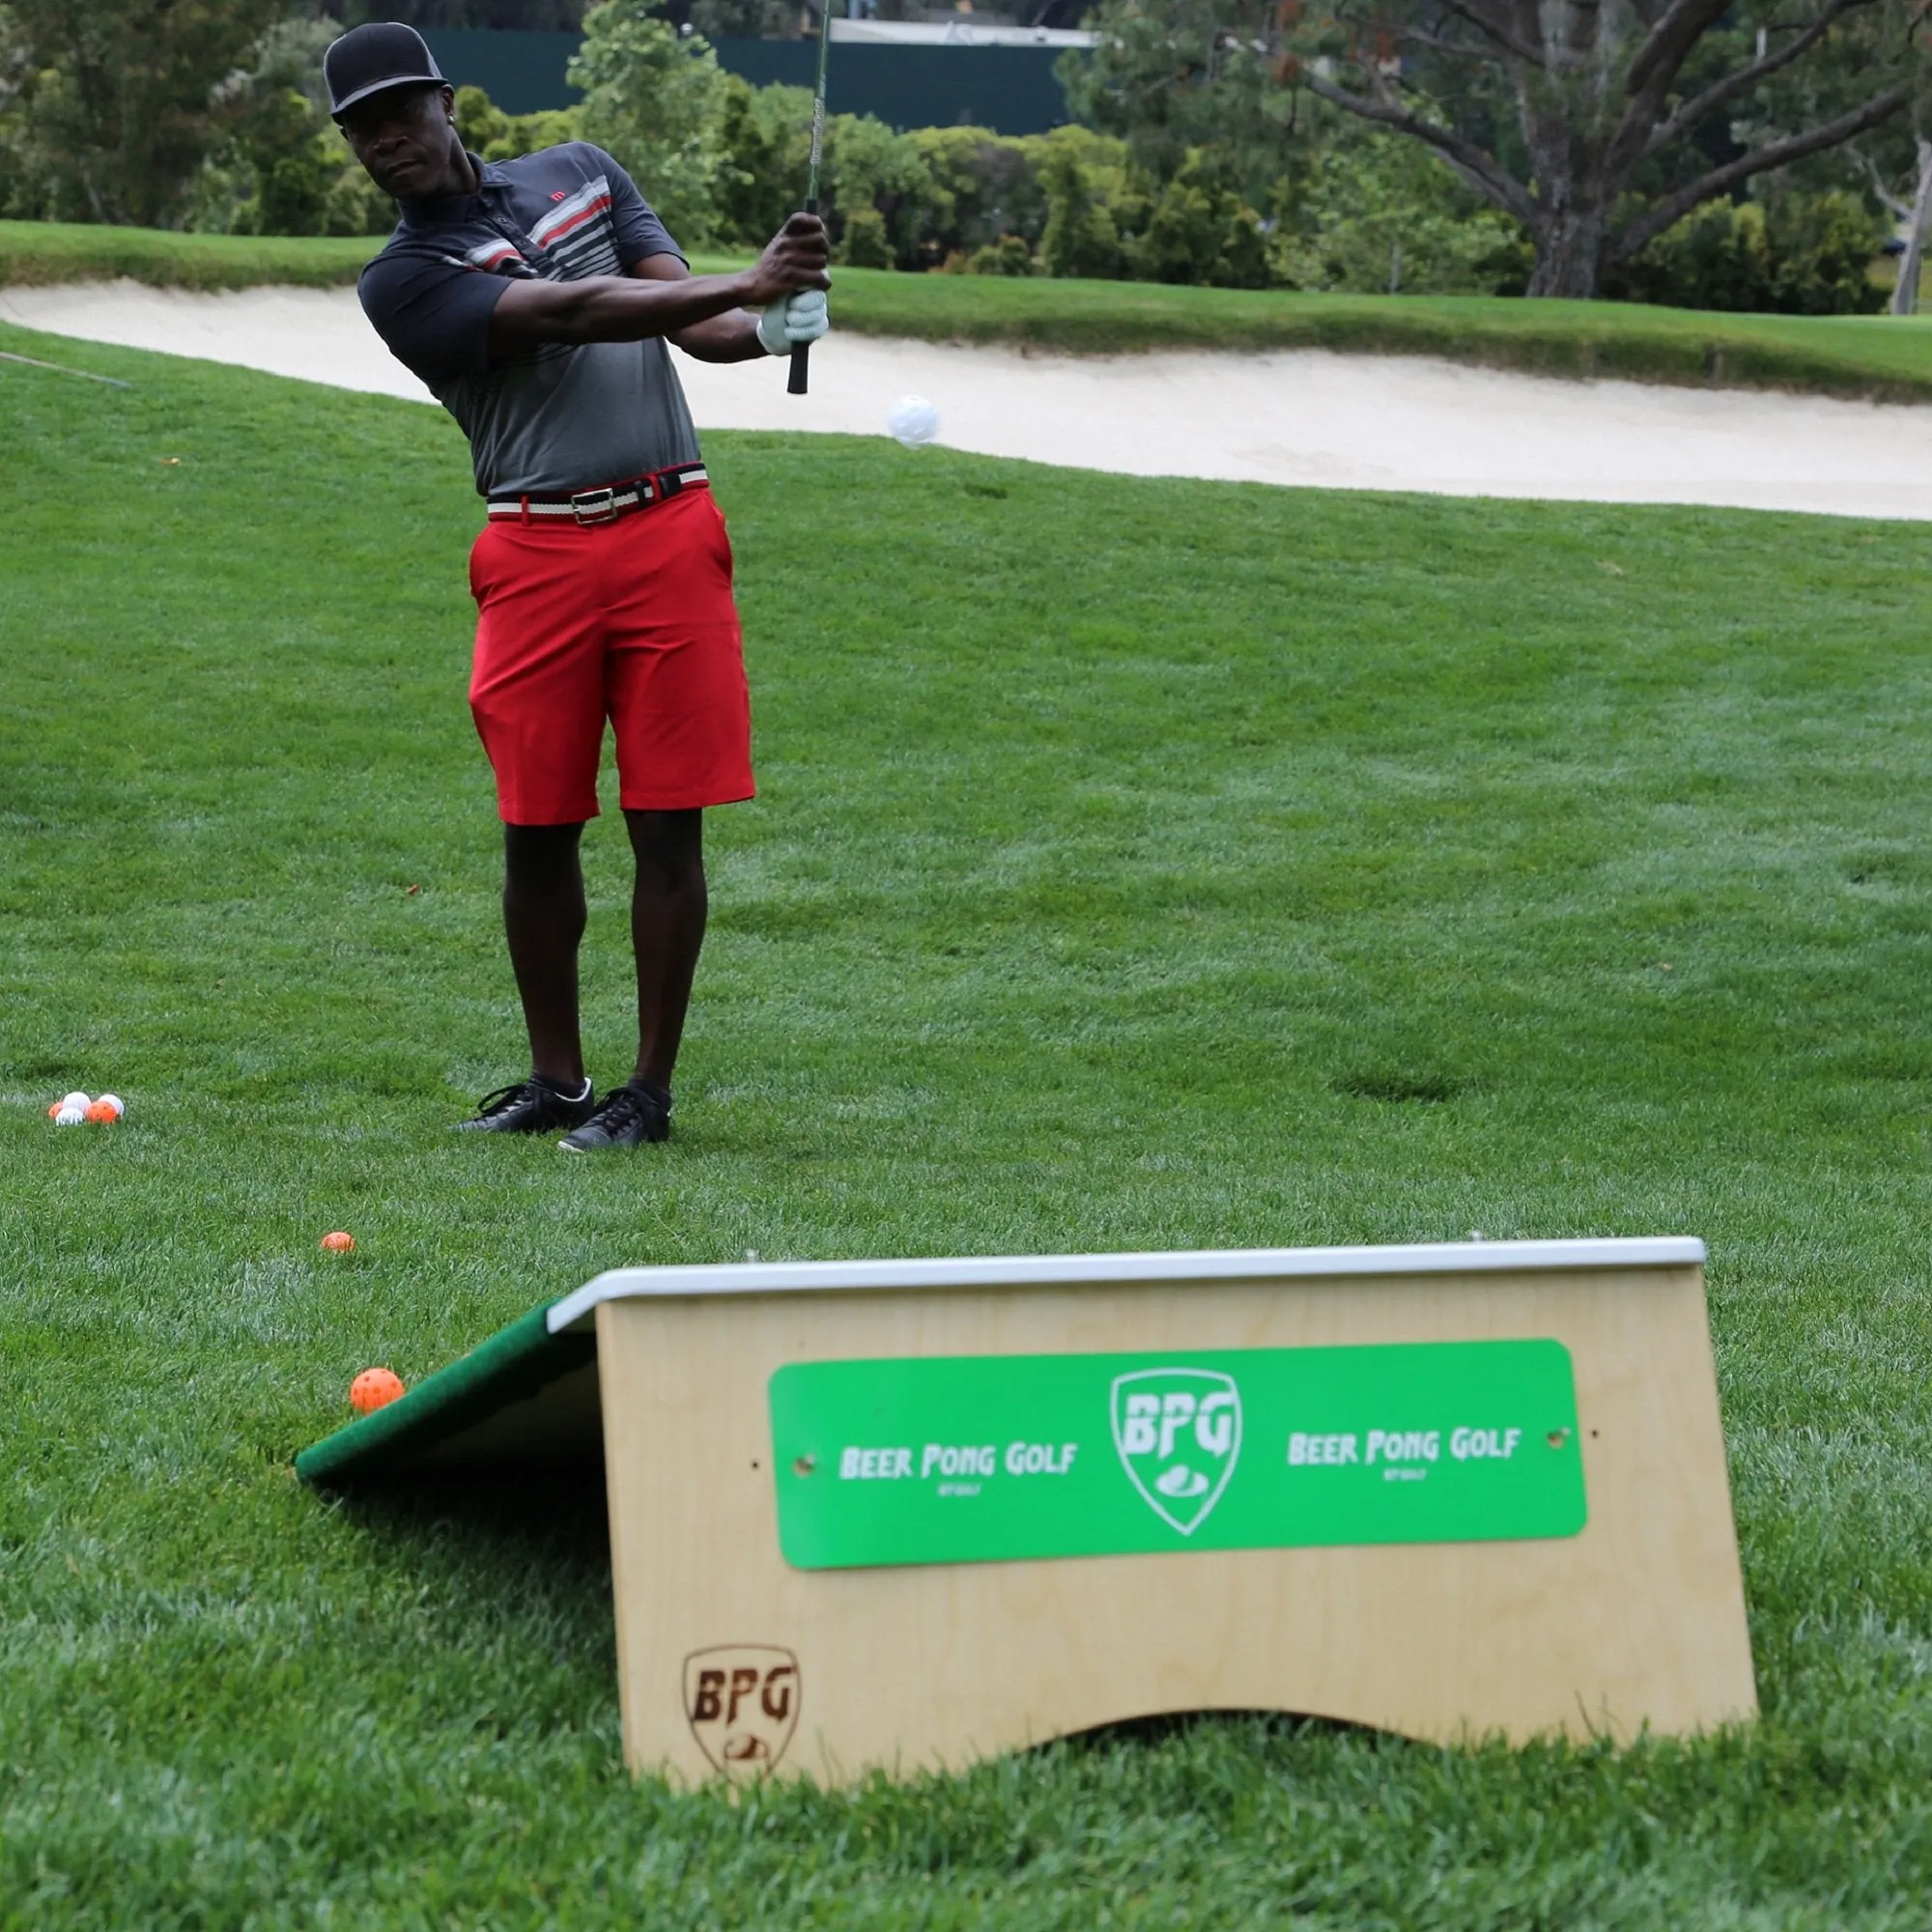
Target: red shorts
630,620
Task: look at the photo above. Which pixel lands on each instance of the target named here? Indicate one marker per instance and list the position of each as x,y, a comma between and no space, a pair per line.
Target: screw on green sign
980,1459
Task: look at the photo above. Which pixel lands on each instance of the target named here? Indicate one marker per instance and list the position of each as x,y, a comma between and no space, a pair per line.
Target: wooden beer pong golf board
904,1514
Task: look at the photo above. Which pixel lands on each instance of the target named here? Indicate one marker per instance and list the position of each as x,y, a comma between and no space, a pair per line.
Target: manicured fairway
1139,864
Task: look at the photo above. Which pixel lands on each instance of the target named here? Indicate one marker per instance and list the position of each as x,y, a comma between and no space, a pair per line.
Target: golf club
795,384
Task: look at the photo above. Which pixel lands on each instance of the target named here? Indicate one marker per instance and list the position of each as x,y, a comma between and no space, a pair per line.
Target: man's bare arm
731,337
629,308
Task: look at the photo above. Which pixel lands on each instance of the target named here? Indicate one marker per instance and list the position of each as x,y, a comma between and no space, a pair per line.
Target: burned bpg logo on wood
1178,1431
741,1703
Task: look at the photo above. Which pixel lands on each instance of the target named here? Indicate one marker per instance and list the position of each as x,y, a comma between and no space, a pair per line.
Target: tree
1170,76
1897,168
280,168
1376,211
1598,127
1916,216
114,105
655,99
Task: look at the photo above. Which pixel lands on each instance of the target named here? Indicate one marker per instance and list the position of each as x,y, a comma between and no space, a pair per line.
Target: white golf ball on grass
912,421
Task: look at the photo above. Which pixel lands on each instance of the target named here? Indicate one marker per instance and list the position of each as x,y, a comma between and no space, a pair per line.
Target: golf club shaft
795,384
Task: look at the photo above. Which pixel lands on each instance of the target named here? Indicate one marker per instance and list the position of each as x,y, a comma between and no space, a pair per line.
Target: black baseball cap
367,59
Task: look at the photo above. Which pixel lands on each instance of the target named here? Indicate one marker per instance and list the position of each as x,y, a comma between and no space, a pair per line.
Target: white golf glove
797,319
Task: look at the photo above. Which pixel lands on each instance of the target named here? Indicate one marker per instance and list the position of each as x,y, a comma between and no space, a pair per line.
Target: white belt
606,503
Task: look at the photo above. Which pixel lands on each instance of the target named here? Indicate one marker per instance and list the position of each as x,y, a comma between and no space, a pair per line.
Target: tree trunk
1562,128
1905,297
1568,246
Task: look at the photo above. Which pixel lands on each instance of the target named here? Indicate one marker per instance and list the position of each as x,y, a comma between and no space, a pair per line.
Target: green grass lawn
1878,357
1138,864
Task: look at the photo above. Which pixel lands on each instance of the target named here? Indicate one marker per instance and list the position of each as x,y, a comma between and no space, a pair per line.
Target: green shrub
1106,217
1199,230
986,187
1010,255
866,244
1084,177
497,136
1791,254
869,166
1823,247
766,134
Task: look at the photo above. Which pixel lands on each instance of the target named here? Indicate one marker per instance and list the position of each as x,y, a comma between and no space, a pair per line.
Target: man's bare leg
669,905
543,920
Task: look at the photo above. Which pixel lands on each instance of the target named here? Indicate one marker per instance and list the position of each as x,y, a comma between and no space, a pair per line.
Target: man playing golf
535,298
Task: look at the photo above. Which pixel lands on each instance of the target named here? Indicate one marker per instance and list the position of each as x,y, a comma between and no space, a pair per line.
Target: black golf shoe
630,1114
533,1106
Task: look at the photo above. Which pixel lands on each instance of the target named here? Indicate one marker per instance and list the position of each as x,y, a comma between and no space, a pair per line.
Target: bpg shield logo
741,1701
1178,1431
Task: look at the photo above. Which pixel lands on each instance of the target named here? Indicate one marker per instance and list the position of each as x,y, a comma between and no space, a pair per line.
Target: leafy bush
1106,216
1199,230
1085,180
1010,255
987,191
869,170
1793,254
766,131
866,244
497,136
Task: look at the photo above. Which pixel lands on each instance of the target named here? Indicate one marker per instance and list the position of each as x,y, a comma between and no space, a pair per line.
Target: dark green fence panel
1012,90
523,73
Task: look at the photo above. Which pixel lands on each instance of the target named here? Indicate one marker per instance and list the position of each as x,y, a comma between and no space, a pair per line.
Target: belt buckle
595,507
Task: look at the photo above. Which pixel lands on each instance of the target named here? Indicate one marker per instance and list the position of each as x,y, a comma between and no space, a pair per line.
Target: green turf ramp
512,1365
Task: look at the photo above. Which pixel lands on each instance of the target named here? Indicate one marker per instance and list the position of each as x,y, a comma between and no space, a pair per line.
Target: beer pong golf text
952,1460
1403,1453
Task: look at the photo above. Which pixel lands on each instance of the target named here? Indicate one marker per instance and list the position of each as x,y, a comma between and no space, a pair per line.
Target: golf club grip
795,382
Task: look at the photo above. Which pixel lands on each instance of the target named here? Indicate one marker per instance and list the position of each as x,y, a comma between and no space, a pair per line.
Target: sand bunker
1348,422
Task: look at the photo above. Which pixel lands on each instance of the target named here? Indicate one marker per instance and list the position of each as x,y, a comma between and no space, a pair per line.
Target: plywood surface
1640,1620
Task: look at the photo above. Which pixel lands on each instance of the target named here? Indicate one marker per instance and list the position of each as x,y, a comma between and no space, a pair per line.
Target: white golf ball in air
912,421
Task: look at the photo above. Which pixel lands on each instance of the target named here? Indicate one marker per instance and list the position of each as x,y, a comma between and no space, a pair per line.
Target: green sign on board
971,1459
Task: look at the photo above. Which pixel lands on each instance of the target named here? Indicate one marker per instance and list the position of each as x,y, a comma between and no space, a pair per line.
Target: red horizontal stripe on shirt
601,206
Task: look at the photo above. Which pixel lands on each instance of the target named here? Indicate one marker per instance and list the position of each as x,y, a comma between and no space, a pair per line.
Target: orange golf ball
338,1244
373,1389
104,1111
